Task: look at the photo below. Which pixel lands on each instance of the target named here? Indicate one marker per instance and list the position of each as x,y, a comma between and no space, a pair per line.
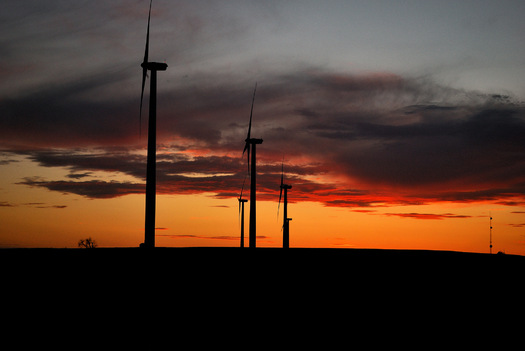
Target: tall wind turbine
153,67
251,143
241,213
286,220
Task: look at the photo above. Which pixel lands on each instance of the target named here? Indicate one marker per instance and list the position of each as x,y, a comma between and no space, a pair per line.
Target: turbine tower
241,213
286,220
251,143
153,67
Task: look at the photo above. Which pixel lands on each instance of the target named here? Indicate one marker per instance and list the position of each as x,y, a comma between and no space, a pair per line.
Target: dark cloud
91,189
90,160
79,175
5,159
377,134
510,196
60,116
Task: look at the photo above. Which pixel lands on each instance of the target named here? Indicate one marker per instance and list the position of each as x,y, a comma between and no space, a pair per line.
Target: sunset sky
401,123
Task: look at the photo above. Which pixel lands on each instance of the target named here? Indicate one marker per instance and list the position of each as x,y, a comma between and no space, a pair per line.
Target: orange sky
36,217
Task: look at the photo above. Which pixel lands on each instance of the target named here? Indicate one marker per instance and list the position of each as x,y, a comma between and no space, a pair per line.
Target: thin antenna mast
490,221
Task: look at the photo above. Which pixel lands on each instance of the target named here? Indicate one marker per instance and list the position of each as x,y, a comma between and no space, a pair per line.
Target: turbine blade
240,198
247,148
282,182
279,206
247,144
147,35
144,69
249,158
282,174
242,189
144,73
251,113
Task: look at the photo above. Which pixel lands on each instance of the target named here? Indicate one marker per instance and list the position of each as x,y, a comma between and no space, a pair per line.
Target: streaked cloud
218,237
427,215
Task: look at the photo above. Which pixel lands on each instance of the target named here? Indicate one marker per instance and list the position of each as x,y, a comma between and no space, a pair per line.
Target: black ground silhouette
250,264
162,298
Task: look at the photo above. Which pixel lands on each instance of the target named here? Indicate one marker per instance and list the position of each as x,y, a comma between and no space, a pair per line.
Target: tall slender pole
242,222
490,216
253,214
149,235
286,233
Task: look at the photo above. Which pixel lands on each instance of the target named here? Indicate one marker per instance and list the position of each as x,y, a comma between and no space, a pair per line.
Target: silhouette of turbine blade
281,192
242,189
279,206
240,199
144,69
141,99
249,158
247,148
248,136
251,111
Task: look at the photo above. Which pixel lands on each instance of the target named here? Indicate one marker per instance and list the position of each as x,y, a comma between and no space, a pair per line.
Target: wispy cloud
31,204
427,215
517,225
218,237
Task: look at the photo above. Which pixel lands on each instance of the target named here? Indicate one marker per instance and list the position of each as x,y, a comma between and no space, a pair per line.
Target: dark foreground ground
204,298
218,269
251,265
235,261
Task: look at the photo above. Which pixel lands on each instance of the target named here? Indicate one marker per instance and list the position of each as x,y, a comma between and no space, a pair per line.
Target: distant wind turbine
251,143
286,220
241,213
153,67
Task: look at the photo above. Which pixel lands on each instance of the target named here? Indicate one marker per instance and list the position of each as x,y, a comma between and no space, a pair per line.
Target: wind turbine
286,220
153,67
251,143
241,214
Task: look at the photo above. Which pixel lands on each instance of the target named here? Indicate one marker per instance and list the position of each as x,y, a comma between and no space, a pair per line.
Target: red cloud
427,215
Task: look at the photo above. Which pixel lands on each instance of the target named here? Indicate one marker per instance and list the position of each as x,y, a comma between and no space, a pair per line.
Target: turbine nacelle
154,66
253,141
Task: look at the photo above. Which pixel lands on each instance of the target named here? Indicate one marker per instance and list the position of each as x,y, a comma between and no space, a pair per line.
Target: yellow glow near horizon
37,217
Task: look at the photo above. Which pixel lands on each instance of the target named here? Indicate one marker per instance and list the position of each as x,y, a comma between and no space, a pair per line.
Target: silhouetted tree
87,243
